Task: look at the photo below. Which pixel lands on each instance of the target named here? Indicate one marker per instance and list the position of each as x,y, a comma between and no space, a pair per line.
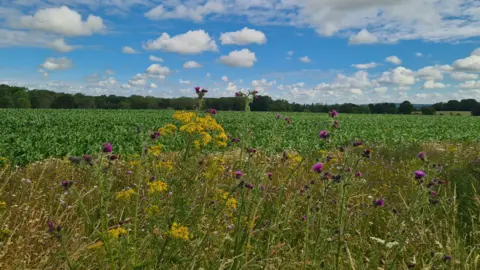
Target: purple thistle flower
419,174
213,111
238,174
129,172
107,148
323,134
433,193
155,135
447,258
421,156
304,218
355,144
269,175
278,116
367,153
66,184
334,113
113,157
250,186
358,174
236,140
197,89
378,202
51,226
252,150
87,158
317,167
288,120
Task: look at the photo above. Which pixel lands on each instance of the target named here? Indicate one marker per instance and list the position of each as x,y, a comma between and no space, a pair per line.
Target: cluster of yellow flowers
117,232
230,202
179,232
157,186
204,129
167,165
125,195
155,150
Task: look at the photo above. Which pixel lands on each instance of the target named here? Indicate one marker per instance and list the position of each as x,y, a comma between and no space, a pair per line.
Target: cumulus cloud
129,50
225,78
462,76
430,84
155,59
191,64
394,60
400,76
243,37
348,84
471,63
60,46
138,80
57,63
305,59
366,66
62,20
191,42
108,83
153,85
380,90
430,73
184,82
470,85
191,11
239,58
476,52
363,37
263,84
157,71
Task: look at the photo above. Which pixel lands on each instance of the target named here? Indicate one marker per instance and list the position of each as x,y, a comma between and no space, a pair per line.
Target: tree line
21,97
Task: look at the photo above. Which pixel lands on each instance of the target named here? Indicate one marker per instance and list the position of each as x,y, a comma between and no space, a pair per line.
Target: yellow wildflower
168,129
184,117
168,165
179,232
155,150
125,195
117,232
3,205
157,186
206,138
197,144
98,244
232,203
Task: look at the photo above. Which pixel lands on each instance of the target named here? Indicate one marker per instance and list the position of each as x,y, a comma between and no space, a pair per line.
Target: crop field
32,135
125,189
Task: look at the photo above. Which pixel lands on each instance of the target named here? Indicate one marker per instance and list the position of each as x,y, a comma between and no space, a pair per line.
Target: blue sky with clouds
301,50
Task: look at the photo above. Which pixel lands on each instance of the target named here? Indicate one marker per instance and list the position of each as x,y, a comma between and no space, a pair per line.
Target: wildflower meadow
207,189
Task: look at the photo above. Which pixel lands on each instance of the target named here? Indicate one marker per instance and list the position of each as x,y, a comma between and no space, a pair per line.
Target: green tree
476,110
428,111
405,108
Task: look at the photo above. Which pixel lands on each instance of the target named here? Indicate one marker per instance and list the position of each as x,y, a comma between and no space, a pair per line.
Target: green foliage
405,108
476,110
429,111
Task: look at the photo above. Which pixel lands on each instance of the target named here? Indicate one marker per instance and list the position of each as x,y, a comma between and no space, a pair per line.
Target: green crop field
31,135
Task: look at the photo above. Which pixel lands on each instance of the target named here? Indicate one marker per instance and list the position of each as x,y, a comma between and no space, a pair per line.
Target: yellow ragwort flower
179,232
153,210
184,117
125,194
3,205
157,186
168,165
155,150
117,232
168,129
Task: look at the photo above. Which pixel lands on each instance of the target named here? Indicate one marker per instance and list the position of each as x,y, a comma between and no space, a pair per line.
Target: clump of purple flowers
324,134
378,203
318,167
419,174
333,113
238,174
107,148
155,135
201,92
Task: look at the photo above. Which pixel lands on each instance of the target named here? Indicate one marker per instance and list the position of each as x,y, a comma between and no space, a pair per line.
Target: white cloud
470,85
153,85
138,80
243,37
191,64
242,58
60,45
418,54
191,42
184,82
471,63
363,37
476,52
232,87
380,90
394,60
109,72
366,66
157,71
155,59
191,11
225,78
462,76
430,84
129,50
42,71
430,73
62,20
345,84
263,84
356,91
400,76
305,59
57,63
108,83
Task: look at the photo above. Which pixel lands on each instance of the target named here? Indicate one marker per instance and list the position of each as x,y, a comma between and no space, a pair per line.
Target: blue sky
305,50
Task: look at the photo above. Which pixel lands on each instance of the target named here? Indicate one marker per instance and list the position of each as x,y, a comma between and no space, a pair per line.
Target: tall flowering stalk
249,97
200,94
